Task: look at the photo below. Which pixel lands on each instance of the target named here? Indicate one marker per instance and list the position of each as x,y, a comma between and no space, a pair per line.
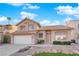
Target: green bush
62,42
6,38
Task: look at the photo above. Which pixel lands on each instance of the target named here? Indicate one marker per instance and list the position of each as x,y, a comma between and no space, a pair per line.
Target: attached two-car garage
24,39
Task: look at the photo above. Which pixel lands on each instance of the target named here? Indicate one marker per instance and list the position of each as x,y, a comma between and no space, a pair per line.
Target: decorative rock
54,51
67,52
75,51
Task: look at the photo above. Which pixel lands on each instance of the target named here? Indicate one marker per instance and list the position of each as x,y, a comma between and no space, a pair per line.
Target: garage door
23,39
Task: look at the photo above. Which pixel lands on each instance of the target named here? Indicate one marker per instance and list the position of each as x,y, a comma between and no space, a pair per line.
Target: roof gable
27,19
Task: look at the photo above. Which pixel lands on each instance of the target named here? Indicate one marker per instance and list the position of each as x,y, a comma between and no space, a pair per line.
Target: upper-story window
32,27
22,28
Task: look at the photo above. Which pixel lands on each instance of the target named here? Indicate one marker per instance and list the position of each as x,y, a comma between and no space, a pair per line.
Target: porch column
45,38
12,39
69,36
52,37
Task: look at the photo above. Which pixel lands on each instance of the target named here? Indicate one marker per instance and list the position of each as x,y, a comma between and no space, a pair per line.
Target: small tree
6,38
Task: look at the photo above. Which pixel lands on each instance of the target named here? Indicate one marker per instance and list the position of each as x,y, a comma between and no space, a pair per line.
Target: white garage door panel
23,39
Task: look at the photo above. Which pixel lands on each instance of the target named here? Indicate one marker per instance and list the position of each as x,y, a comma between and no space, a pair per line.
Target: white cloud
46,22
33,7
30,6
77,16
67,19
25,5
68,10
14,21
28,15
3,18
16,4
56,22
71,12
78,4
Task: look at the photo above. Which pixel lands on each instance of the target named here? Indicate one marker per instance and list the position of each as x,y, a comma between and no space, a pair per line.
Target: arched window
32,27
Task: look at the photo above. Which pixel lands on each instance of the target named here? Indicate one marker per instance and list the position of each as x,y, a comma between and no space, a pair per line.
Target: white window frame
39,35
23,29
31,27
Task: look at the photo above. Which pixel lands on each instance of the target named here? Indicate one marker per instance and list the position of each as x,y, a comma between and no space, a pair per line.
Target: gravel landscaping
66,49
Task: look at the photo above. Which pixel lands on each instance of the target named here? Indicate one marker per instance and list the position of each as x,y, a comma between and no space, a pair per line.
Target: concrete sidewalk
6,50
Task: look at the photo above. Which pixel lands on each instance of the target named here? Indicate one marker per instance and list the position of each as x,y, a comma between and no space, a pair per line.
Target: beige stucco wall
66,33
44,35
14,28
48,37
53,34
75,31
12,39
26,24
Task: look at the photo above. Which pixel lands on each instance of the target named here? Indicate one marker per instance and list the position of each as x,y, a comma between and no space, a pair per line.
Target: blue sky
44,13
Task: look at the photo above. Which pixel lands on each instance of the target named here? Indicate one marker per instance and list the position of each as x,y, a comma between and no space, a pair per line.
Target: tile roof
55,27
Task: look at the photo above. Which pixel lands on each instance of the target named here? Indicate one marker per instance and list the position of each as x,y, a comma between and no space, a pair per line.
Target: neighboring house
6,29
75,32
31,32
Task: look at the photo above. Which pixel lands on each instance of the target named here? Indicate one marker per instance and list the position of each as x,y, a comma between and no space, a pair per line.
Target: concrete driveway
7,49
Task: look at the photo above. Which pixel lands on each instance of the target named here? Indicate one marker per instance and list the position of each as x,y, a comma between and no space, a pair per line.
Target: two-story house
31,32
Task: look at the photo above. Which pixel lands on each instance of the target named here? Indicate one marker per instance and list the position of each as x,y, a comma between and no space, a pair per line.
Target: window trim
39,35
22,29
31,27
